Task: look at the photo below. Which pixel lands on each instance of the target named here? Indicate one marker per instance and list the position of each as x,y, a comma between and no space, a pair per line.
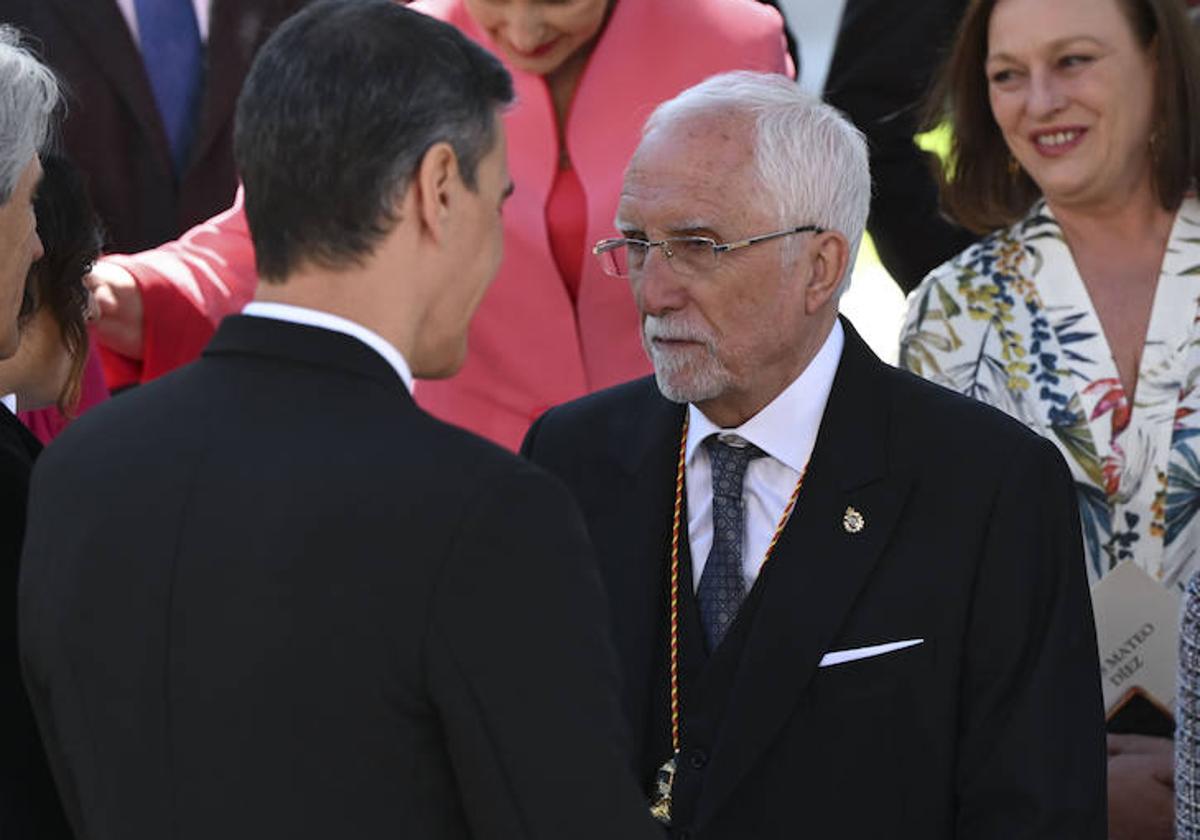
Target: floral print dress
1009,322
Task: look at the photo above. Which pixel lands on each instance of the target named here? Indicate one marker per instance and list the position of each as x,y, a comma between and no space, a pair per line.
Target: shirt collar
786,429
336,323
10,402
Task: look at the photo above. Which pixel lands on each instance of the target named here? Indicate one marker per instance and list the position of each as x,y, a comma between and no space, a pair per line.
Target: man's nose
657,287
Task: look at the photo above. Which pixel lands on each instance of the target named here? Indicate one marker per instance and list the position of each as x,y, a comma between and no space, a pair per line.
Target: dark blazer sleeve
885,58
1031,744
523,673
29,803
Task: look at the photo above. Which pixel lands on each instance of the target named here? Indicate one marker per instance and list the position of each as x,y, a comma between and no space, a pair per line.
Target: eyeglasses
687,255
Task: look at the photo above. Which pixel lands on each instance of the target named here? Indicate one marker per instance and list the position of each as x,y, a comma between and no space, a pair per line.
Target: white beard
684,376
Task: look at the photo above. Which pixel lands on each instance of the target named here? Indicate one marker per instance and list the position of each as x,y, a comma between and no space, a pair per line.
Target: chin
691,384
1069,194
541,65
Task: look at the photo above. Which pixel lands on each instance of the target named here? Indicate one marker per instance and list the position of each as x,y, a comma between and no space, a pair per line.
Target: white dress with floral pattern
1009,322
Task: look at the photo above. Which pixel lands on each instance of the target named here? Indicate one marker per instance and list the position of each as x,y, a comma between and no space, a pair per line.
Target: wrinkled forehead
698,168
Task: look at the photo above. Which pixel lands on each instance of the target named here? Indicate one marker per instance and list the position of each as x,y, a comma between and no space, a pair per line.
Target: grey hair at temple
809,157
29,95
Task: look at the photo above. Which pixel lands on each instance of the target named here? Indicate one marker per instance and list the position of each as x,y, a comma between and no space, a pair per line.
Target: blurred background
874,303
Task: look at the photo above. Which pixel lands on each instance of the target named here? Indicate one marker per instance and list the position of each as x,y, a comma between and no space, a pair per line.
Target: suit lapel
817,571
99,26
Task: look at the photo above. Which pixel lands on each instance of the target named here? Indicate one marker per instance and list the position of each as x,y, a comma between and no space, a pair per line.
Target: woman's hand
119,301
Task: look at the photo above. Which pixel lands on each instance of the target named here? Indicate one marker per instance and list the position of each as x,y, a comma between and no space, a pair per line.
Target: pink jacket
530,348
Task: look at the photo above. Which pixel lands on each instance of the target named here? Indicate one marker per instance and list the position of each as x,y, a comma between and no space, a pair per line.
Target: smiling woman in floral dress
1076,149
1076,145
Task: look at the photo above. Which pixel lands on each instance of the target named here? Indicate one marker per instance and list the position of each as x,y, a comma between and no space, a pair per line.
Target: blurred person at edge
552,327
47,369
150,87
149,119
29,806
1076,148
55,374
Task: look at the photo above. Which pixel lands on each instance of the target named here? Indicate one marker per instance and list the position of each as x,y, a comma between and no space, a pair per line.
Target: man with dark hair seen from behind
29,807
337,616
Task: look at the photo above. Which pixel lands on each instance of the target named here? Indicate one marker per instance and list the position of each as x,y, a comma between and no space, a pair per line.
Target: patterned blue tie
722,587
174,59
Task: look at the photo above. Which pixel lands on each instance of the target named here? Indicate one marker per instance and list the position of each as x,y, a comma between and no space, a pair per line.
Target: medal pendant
660,807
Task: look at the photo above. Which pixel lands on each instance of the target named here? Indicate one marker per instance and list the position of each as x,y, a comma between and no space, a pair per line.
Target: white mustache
656,327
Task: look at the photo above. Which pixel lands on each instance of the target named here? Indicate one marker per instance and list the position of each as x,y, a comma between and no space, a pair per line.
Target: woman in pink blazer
552,326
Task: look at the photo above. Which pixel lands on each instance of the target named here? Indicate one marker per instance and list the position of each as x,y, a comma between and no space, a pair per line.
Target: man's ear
437,181
830,257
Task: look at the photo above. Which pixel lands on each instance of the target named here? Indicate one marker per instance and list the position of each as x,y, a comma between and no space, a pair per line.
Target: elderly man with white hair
28,97
839,614
29,805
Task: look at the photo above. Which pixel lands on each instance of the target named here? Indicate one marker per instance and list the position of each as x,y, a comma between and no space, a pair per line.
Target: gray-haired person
839,614
29,806
28,97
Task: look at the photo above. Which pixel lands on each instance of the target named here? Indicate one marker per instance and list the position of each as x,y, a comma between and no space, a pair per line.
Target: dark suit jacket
113,131
885,59
29,806
992,728
267,596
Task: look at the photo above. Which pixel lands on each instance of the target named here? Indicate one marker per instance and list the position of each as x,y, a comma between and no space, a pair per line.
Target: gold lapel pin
853,521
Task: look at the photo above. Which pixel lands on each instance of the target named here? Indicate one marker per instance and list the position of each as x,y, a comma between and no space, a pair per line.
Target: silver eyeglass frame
605,245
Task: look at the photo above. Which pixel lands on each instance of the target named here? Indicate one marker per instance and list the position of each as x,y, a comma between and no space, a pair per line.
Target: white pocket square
837,657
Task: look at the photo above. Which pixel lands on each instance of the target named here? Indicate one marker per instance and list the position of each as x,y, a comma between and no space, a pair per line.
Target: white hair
29,94
807,154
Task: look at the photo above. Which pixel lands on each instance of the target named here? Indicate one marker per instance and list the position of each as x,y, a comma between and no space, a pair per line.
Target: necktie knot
730,458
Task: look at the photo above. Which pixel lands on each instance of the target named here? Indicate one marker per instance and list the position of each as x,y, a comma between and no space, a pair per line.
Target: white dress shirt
334,323
130,12
786,429
10,402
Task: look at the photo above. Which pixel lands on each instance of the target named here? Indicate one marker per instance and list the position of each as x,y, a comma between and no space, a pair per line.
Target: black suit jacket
991,728
886,55
268,596
29,806
113,130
